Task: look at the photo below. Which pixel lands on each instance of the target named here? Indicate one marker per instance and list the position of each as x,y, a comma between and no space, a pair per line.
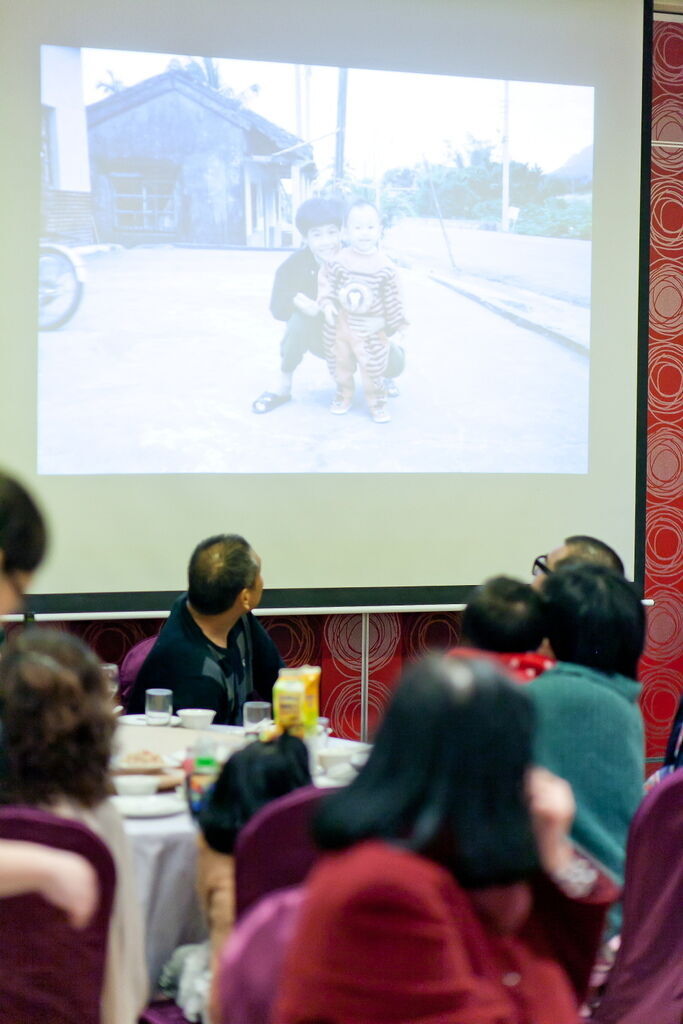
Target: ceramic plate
141,720
323,782
158,805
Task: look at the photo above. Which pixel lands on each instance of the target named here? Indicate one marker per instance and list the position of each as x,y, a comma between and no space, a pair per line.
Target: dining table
164,845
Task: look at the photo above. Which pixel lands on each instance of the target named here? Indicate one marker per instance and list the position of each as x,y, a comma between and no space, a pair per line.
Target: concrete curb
563,322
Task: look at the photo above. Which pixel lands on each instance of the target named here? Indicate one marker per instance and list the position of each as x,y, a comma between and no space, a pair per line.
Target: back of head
23,535
445,777
589,550
504,615
320,210
57,720
594,618
220,567
249,780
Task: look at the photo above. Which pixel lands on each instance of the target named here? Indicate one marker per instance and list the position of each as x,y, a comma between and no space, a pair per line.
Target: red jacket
388,937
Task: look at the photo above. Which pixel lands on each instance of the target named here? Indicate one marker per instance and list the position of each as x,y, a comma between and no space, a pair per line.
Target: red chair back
131,665
275,849
251,962
646,982
51,973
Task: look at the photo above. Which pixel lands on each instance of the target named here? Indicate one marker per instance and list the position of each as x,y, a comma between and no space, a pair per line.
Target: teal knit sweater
590,731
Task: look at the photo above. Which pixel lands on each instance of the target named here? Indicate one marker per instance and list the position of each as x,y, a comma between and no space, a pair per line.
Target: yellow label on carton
295,699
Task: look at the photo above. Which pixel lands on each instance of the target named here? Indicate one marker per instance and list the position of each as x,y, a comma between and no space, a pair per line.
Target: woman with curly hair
57,730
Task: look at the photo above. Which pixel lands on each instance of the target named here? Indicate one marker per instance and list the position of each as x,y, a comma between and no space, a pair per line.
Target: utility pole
505,159
341,123
299,101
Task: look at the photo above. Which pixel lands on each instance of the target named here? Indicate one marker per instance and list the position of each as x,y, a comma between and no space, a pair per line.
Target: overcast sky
394,119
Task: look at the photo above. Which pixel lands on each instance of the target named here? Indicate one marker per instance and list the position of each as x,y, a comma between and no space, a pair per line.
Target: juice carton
310,676
289,701
295,699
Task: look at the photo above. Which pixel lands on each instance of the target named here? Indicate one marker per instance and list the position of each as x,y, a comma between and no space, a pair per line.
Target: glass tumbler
256,714
158,707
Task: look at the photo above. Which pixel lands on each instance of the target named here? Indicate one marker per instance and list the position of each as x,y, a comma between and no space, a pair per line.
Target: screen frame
419,596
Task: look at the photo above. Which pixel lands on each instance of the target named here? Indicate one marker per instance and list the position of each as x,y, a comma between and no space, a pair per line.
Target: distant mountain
579,168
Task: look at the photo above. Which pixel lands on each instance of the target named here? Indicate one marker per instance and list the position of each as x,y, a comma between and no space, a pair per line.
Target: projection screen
161,154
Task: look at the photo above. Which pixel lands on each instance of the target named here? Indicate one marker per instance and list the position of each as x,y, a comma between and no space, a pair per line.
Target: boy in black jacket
293,299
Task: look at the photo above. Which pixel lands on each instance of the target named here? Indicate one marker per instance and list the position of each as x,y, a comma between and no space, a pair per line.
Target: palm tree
112,85
206,71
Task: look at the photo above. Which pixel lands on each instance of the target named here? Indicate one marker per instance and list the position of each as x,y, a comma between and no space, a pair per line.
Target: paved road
158,369
556,267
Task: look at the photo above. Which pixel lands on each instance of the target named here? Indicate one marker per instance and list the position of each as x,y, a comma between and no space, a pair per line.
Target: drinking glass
158,707
111,674
323,731
256,714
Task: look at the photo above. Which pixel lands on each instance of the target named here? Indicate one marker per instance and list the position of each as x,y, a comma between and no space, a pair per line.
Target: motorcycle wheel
59,289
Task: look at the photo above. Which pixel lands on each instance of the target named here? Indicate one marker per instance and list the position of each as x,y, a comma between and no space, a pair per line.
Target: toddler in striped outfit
358,293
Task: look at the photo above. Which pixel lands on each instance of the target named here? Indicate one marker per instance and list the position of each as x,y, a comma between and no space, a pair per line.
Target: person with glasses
576,550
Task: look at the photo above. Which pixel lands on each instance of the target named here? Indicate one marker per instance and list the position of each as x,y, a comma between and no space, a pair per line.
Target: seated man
506,617
576,550
212,652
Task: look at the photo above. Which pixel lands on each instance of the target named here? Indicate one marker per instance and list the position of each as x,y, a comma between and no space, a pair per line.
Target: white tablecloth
165,851
165,861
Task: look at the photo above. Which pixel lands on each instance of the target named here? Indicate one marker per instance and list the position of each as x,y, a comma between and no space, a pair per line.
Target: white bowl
135,785
196,718
331,757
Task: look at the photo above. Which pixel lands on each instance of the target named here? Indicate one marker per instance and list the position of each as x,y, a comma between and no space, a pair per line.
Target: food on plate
140,761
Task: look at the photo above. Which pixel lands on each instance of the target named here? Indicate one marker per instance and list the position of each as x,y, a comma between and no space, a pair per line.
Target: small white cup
158,707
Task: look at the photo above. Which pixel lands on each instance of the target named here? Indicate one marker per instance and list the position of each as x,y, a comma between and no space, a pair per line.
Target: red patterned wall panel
662,666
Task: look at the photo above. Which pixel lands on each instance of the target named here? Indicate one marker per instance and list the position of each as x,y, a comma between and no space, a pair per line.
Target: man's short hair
313,213
504,615
219,569
591,551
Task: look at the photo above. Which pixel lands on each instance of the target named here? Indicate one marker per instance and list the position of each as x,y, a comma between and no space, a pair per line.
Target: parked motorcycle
60,286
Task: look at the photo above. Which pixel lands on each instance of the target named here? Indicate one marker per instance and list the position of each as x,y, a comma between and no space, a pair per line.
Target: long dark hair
249,780
445,777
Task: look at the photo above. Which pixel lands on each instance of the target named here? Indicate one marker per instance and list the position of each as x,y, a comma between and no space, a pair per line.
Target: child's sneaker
391,388
380,413
340,404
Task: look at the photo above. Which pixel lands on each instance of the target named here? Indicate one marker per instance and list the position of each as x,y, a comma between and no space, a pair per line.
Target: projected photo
252,267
